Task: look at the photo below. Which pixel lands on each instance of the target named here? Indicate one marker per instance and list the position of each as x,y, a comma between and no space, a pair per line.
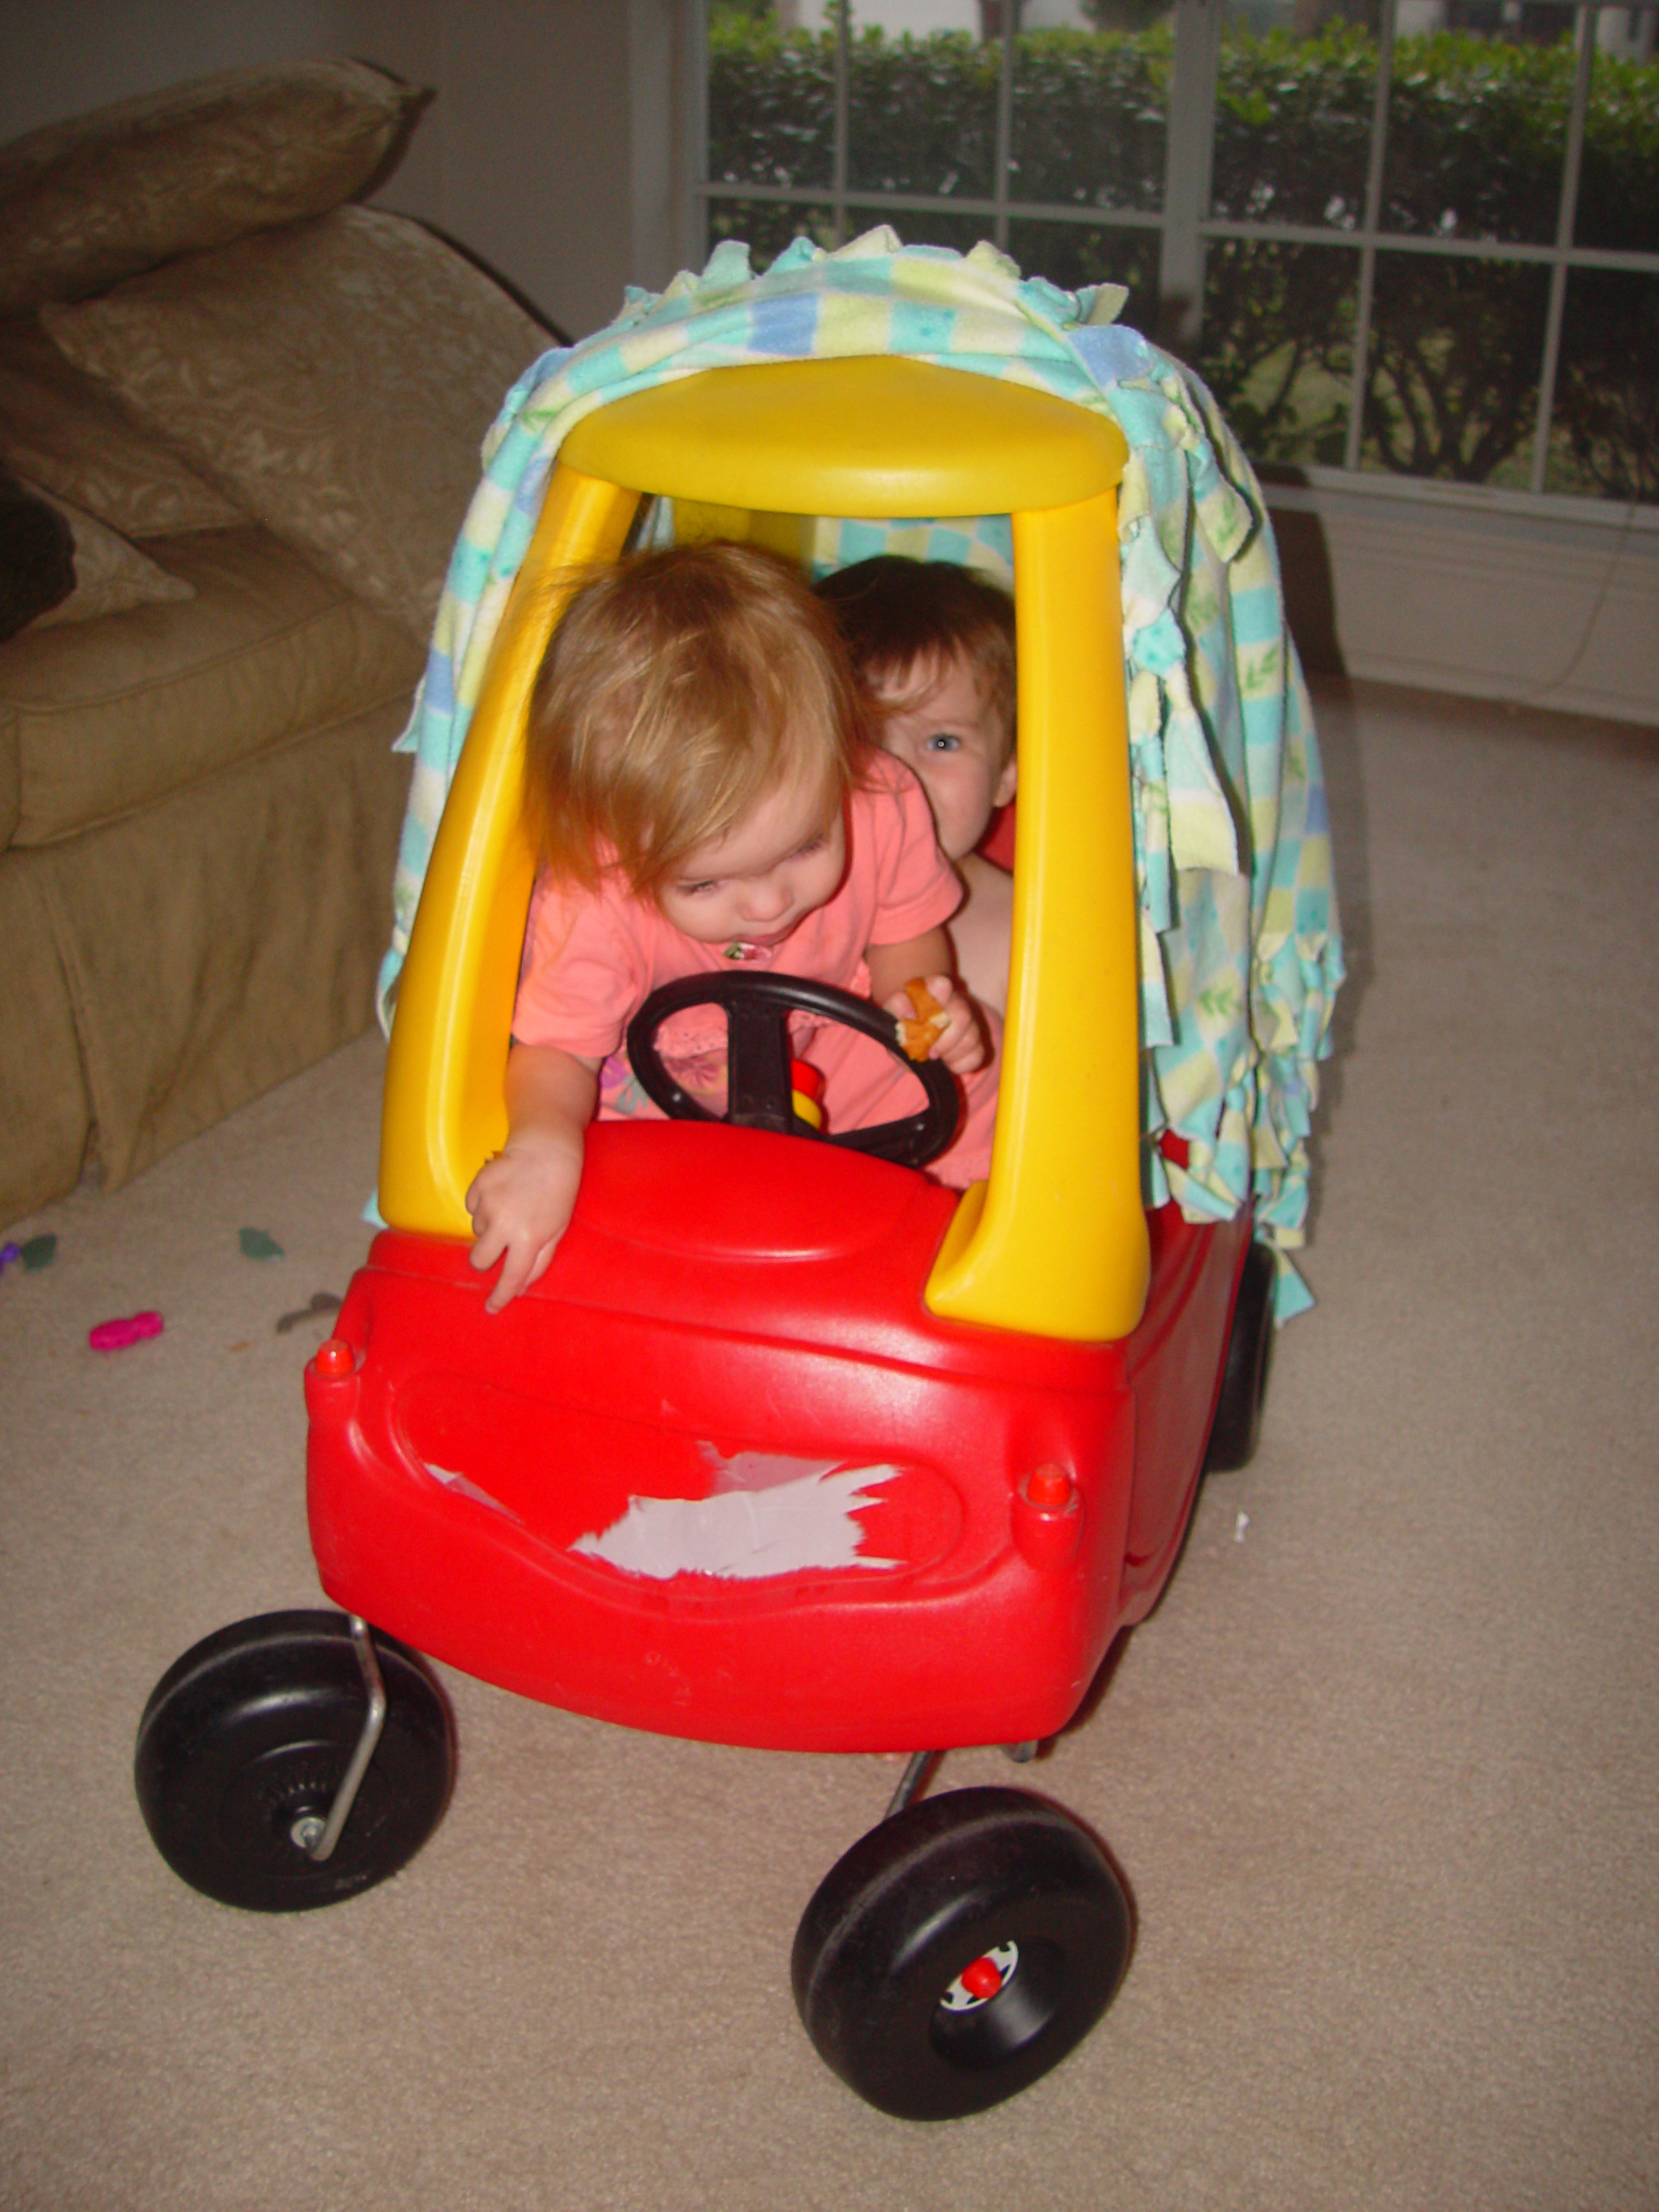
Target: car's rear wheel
1237,1429
959,1951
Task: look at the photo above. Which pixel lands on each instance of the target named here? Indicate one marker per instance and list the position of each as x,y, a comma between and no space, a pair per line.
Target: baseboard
1522,608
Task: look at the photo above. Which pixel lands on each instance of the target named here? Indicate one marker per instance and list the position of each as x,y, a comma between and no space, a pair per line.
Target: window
1406,240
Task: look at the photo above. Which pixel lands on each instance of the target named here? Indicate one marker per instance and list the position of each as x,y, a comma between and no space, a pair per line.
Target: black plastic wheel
1237,1426
757,1009
959,1951
249,1734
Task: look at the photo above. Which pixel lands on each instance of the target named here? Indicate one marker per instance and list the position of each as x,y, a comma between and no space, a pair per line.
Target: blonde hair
680,688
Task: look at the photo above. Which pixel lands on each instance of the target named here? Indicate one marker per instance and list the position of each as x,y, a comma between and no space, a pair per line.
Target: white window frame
1185,229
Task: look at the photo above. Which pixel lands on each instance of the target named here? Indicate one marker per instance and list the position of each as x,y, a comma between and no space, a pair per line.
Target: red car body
728,1291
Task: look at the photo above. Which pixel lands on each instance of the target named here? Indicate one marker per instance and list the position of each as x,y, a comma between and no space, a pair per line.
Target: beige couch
258,406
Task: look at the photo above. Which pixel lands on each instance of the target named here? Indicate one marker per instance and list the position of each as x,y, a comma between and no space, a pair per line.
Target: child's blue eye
691,890
944,742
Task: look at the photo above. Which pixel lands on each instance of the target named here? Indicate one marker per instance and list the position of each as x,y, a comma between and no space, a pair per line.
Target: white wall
549,152
64,55
1539,610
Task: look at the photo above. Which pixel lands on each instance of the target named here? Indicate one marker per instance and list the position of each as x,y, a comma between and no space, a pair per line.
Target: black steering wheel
758,1087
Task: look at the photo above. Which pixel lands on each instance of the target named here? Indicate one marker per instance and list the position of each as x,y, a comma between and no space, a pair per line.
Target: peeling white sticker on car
765,1469
786,1522
463,1488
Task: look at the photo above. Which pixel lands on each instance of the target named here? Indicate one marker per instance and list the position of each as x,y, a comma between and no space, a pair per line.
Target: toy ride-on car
790,1445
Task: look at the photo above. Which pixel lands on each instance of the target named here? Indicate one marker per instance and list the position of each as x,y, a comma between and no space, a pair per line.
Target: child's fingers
477,1200
522,1267
963,1052
961,1043
938,1021
954,1013
491,1230
515,1274
488,1244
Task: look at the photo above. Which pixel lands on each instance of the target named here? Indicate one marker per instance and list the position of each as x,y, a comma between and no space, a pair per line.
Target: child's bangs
679,689
720,738
906,621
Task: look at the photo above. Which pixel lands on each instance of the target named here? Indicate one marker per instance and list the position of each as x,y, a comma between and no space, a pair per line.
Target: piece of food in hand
918,1036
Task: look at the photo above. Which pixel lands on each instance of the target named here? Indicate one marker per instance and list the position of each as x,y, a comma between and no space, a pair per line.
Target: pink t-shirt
594,957
591,958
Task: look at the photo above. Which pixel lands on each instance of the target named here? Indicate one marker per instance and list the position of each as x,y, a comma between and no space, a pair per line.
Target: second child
934,644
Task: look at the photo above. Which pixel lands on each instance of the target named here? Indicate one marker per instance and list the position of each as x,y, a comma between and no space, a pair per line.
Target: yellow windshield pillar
445,1112
1056,1243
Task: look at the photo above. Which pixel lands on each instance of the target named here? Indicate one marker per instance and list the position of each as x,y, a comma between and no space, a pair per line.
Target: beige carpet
1381,1770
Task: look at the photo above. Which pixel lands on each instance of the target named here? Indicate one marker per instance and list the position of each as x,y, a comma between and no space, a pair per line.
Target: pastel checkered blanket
1240,948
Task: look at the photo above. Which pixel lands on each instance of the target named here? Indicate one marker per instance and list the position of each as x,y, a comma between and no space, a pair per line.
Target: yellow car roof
909,439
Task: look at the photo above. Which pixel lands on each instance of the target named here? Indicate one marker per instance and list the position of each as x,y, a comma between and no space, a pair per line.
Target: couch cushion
335,378
214,943
109,717
86,202
45,1116
111,574
64,431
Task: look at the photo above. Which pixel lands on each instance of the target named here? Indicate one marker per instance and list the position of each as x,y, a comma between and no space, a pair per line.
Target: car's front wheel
243,1745
959,1951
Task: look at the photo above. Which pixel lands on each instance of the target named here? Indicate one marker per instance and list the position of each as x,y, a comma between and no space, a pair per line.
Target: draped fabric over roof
1240,946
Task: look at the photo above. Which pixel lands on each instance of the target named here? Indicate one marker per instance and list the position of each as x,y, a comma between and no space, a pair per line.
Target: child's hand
950,1032
521,1202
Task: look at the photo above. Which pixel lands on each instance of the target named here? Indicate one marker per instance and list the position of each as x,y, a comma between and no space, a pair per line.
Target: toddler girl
701,791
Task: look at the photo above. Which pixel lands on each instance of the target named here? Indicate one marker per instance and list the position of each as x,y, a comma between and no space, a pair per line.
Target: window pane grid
922,203
1395,318
1004,132
1376,168
843,116
1577,256
1585,21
